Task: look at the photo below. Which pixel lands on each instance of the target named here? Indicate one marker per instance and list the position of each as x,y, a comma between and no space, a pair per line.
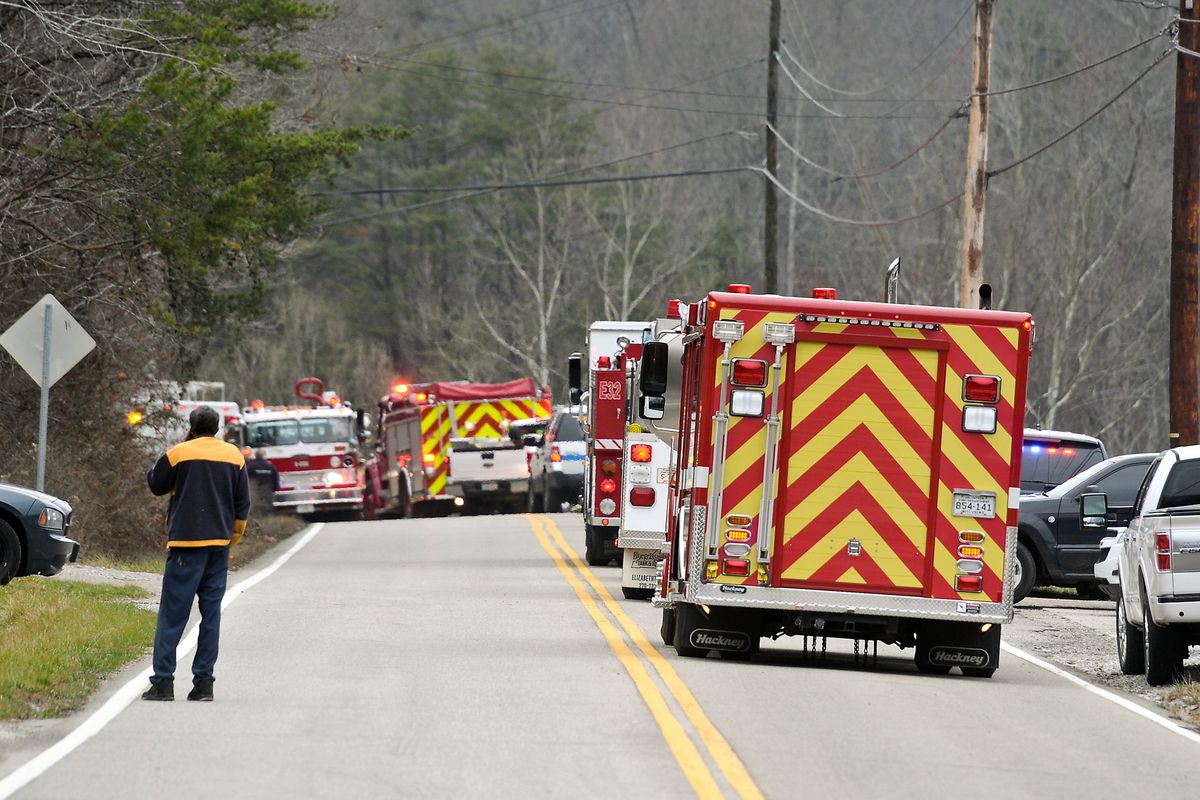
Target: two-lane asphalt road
479,657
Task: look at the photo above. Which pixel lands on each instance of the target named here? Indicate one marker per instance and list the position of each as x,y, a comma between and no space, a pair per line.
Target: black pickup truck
1054,548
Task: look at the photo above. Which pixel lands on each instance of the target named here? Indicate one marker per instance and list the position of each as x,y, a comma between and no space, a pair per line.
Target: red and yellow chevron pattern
870,453
435,448
489,418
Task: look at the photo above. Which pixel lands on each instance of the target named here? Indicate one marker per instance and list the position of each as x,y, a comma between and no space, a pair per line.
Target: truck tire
10,553
1130,655
636,593
667,629
1161,648
1026,573
535,502
553,500
593,550
687,619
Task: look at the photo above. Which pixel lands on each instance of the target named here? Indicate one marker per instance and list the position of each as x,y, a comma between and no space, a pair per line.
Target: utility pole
770,207
977,150
1185,213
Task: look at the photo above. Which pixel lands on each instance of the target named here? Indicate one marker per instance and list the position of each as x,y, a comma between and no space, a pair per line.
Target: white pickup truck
489,474
1158,610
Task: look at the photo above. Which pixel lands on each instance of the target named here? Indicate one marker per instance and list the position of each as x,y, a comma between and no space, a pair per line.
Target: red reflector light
749,372
736,566
825,294
608,466
968,583
555,455
608,486
641,496
739,288
981,388
603,362
1164,562
641,453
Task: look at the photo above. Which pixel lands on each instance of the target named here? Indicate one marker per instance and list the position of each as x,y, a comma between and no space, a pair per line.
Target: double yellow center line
695,767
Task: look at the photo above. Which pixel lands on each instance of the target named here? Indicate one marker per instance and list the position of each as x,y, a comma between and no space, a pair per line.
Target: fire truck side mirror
575,377
362,424
652,407
654,370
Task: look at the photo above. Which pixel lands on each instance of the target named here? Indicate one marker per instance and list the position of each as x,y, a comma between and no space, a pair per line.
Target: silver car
556,468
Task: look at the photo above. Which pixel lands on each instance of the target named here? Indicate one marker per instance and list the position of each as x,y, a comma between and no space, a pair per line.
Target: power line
538,184
603,165
993,173
1074,72
626,104
890,84
623,87
875,173
507,22
879,223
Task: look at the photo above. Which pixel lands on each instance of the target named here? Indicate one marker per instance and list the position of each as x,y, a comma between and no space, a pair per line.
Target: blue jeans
199,572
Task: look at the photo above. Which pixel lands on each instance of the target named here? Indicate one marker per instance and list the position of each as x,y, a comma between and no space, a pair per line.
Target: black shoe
201,689
162,690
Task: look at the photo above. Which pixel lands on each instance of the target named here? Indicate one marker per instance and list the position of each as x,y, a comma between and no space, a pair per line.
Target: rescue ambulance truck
847,470
612,347
315,450
447,445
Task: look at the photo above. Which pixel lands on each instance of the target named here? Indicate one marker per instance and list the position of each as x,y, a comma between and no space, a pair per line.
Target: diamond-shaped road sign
68,341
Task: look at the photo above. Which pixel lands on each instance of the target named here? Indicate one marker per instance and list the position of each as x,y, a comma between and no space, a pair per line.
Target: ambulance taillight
749,372
641,496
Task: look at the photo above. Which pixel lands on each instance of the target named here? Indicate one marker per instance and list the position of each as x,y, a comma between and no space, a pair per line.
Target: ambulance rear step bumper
846,603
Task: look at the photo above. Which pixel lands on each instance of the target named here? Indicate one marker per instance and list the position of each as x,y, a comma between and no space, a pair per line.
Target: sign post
47,342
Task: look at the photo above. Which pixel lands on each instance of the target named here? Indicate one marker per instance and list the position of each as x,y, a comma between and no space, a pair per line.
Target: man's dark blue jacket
210,494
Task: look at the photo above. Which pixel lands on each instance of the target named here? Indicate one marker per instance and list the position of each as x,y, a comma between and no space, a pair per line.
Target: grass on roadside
1183,699
60,639
146,563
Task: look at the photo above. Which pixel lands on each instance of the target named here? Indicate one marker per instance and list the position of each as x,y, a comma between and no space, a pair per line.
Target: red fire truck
314,448
613,347
844,470
447,445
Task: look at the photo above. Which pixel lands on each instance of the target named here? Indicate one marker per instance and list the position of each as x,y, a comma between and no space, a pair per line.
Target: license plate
488,487
304,508
974,504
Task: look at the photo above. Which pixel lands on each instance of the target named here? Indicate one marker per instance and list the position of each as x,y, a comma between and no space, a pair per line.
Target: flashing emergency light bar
880,323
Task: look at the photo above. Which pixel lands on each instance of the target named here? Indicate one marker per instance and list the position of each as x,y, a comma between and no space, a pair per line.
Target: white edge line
43,761
1123,702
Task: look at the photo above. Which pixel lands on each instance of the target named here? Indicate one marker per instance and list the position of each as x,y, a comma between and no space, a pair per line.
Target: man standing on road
265,481
210,502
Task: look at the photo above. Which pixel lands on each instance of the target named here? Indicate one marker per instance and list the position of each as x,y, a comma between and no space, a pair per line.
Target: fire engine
612,348
314,448
447,445
844,469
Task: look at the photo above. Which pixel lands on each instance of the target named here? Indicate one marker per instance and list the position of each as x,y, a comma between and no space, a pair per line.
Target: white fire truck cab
314,448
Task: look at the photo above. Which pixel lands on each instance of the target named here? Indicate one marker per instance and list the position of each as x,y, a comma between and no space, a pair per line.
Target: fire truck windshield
281,432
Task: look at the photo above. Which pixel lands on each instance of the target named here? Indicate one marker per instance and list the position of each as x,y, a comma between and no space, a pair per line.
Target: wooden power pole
770,207
1184,427
977,150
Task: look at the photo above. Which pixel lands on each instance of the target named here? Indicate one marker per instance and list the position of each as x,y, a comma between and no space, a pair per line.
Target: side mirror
654,371
652,407
575,378
361,424
1093,511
